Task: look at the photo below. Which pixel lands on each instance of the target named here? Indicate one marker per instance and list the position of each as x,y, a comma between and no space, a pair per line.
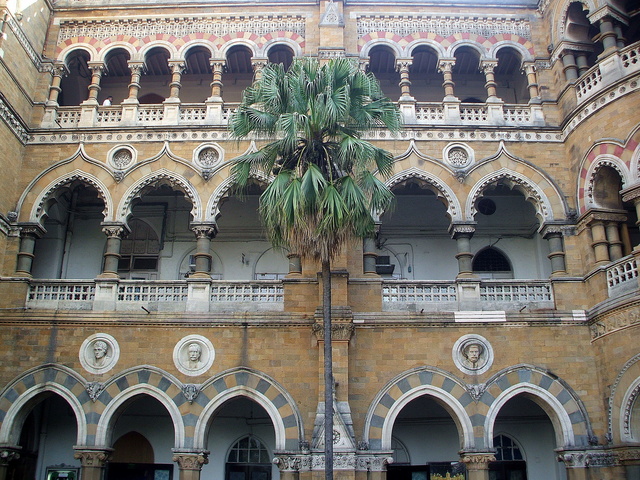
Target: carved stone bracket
476,390
339,331
191,460
631,193
94,389
190,391
473,459
585,459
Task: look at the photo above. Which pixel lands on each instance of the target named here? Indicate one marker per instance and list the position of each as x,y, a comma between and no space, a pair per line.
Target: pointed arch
57,379
531,190
624,393
563,406
409,385
223,190
108,417
38,208
441,189
257,386
159,176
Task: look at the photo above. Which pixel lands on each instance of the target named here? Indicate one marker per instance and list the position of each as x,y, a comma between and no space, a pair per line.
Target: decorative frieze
339,331
614,322
444,25
188,460
12,120
180,27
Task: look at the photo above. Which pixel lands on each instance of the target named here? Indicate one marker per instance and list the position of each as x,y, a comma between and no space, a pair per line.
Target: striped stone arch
624,393
292,39
563,406
623,158
89,44
128,42
207,40
21,395
269,394
374,39
432,381
141,380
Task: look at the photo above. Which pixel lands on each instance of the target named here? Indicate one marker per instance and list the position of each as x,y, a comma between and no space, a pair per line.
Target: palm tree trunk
328,371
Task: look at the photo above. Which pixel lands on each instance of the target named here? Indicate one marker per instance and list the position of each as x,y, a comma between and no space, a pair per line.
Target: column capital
259,62
97,67
610,13
137,67
557,229
59,69
477,459
339,331
9,453
291,463
631,194
31,229
204,230
92,456
446,64
190,459
403,63
488,65
115,229
596,215
177,66
462,229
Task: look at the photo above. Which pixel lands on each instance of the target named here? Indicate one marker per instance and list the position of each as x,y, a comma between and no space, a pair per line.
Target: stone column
136,69
289,465
369,255
115,233
477,464
462,234
633,195
599,242
620,40
7,455
570,68
204,233
615,243
556,249
29,233
258,64
402,66
190,463
445,66
607,33
582,62
575,463
295,265
58,71
217,67
488,67
92,461
97,70
177,69
529,69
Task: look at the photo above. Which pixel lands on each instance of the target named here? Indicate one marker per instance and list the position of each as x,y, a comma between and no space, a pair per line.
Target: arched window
510,463
248,459
491,263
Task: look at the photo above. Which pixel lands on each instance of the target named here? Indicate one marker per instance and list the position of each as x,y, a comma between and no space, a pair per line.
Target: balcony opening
281,54
73,245
491,263
116,81
238,73
197,77
382,63
75,86
469,81
632,32
426,82
154,85
512,86
578,29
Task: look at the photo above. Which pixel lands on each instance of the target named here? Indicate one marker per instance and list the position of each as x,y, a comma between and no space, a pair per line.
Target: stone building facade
488,331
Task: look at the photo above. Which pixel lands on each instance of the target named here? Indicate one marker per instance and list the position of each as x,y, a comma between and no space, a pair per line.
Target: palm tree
323,191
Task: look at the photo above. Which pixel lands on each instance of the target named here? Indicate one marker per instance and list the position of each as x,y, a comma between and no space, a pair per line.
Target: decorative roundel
208,155
122,157
99,353
458,155
472,354
193,355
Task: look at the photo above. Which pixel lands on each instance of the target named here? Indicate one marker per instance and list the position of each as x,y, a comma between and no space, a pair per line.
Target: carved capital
97,68
60,70
488,66
177,66
287,463
631,194
339,331
462,230
137,68
115,230
92,457
475,460
9,454
259,63
31,230
204,230
191,460
403,64
445,65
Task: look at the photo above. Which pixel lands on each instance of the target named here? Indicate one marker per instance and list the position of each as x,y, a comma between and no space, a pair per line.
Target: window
491,263
248,459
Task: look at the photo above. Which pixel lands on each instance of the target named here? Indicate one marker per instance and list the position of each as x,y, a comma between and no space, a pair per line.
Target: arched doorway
525,441
427,442
47,438
143,438
241,439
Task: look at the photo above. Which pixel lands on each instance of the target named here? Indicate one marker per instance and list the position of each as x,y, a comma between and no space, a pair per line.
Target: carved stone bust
99,353
472,354
193,355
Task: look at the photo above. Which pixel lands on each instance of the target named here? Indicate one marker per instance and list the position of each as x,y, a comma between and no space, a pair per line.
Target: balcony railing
622,277
167,295
467,294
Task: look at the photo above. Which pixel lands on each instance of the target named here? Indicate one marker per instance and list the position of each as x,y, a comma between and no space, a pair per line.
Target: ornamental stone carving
99,353
473,355
93,457
9,454
188,460
94,389
193,355
190,391
339,331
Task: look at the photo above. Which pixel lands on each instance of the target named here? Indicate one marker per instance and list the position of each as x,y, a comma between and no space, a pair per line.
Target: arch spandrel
624,393
257,386
223,190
